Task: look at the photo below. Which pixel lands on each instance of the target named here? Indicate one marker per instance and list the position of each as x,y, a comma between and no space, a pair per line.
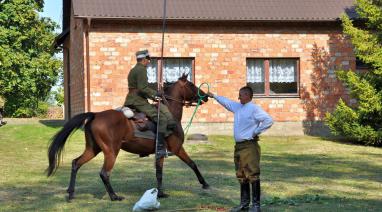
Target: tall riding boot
244,198
255,197
161,146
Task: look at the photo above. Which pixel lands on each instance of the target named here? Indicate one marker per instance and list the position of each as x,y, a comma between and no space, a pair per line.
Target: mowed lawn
298,174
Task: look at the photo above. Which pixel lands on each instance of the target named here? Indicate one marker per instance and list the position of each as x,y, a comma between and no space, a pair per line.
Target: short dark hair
247,89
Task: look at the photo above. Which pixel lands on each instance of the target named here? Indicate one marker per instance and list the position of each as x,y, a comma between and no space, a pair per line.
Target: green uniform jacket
2,102
138,79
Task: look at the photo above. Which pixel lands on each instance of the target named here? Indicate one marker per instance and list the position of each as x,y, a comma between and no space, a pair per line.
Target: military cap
142,54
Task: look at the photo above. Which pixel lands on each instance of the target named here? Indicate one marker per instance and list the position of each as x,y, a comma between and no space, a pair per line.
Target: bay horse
109,131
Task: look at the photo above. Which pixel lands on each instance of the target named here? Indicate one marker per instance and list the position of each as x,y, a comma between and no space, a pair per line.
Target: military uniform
139,92
2,103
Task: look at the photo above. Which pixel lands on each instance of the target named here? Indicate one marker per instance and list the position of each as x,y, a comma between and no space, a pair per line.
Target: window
173,69
273,77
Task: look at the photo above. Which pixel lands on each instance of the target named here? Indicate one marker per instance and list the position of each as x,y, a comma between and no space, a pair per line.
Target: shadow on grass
182,186
131,176
53,123
289,167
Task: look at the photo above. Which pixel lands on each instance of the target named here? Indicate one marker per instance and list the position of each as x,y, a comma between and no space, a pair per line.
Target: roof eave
206,20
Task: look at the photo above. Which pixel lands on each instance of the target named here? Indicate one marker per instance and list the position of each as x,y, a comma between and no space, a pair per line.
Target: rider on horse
139,92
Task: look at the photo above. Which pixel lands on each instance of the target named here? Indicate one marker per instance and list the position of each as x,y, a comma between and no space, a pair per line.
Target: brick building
287,50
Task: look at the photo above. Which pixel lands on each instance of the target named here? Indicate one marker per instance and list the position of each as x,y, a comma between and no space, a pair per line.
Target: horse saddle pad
143,127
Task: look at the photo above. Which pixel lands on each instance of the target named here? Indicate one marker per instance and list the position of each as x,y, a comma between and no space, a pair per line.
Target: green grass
298,174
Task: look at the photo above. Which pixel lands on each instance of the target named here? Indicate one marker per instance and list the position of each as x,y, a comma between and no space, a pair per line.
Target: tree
28,68
362,122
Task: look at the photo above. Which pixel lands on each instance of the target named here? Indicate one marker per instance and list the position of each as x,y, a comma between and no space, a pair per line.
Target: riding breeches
247,161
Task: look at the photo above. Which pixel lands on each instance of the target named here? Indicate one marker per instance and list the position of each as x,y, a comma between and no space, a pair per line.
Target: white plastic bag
148,201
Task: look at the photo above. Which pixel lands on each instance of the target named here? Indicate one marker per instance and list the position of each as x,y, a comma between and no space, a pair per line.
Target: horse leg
182,154
88,154
109,161
159,174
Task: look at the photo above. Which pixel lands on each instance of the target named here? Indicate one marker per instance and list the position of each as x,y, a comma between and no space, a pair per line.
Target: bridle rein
183,101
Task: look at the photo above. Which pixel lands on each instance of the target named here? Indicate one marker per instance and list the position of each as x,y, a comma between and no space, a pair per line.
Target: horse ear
183,77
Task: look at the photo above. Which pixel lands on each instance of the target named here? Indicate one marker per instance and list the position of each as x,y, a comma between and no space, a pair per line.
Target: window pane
175,68
283,76
152,70
255,75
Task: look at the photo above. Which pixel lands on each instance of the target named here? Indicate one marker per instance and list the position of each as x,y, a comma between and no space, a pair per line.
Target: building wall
220,59
220,54
77,67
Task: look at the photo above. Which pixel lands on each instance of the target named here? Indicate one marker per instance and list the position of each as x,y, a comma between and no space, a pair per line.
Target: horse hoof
162,195
70,197
206,186
116,198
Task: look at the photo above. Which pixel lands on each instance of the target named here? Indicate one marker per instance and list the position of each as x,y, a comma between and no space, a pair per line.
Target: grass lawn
298,174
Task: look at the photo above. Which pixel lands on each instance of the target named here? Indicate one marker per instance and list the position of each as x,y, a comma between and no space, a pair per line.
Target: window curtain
152,70
174,68
282,70
255,71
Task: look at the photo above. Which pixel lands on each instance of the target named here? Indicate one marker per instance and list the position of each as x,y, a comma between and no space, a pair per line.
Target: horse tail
59,139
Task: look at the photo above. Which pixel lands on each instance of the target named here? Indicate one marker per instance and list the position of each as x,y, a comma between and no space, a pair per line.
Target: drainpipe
69,108
87,61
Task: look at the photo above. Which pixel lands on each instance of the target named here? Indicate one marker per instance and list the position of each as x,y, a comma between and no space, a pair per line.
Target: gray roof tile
205,10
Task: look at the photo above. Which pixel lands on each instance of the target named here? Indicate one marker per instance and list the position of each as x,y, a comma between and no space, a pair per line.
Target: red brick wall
77,67
220,54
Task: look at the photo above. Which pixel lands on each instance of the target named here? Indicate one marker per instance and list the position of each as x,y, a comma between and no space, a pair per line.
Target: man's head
245,94
143,57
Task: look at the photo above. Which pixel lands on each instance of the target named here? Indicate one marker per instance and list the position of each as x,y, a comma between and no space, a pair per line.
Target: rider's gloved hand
159,95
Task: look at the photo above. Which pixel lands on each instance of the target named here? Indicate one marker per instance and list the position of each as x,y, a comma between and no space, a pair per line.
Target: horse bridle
183,101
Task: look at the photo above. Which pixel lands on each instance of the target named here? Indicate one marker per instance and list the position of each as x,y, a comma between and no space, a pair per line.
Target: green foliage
42,110
22,112
362,122
28,68
59,96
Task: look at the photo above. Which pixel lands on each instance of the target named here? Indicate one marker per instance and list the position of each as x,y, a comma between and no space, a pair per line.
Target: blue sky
53,10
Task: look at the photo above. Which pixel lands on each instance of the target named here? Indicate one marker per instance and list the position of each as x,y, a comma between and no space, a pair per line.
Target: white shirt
250,119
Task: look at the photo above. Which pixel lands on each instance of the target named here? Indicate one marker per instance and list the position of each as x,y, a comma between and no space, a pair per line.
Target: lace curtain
173,69
255,71
152,71
282,70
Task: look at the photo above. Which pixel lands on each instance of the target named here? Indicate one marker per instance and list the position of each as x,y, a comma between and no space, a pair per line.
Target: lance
159,74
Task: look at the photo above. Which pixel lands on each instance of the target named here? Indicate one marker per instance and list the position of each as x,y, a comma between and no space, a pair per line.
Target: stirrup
161,153
167,154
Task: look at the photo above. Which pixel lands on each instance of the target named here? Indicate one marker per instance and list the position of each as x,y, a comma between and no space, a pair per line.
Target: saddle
141,121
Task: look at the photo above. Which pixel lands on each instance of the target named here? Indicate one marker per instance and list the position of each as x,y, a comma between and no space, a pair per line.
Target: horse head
186,91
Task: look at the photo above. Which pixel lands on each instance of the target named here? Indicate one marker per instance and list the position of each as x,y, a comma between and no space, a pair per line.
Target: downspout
69,108
87,61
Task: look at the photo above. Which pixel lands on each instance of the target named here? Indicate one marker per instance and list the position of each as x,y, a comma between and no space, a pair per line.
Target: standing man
2,103
250,121
139,92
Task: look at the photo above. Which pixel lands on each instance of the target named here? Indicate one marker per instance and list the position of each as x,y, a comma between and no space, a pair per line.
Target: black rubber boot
244,198
255,197
161,147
